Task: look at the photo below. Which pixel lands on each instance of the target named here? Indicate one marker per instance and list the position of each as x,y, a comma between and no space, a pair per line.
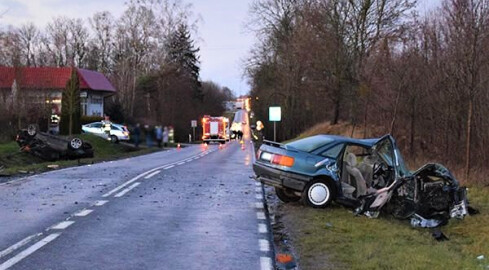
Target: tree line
382,67
148,53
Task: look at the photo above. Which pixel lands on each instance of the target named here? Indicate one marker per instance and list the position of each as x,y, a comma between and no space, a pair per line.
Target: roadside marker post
274,115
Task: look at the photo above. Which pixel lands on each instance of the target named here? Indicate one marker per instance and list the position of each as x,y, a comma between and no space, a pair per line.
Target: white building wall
95,105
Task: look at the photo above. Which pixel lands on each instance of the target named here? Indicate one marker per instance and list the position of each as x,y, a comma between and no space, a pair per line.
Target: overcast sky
223,41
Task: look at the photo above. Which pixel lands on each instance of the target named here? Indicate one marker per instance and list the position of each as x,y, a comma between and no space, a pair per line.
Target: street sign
275,114
193,123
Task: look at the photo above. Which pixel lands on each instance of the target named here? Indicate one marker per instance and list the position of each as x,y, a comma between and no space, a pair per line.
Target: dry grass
386,243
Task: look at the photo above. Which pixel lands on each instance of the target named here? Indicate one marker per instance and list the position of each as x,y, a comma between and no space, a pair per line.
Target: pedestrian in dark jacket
136,134
258,135
159,135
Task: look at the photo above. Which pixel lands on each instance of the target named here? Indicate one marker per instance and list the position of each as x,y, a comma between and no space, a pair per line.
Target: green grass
386,243
15,161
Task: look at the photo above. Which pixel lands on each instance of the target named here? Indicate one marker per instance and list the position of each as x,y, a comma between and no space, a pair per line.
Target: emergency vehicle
215,129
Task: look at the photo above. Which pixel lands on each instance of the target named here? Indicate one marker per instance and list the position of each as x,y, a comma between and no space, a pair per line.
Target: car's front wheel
286,195
318,193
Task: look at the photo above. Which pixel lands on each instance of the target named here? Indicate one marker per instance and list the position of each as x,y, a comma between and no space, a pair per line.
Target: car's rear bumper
277,178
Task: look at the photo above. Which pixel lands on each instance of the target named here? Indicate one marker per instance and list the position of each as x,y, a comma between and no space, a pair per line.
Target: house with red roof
44,85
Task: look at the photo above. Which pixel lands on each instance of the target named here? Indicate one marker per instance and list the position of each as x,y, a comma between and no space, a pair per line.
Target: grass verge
15,162
334,238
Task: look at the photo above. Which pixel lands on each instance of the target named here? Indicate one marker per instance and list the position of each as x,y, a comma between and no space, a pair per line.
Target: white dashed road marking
259,196
17,258
62,225
151,175
260,215
181,163
258,190
83,213
262,228
122,193
265,263
259,205
18,245
264,246
101,202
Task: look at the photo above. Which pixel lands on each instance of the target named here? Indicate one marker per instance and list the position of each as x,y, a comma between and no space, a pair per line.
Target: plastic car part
418,221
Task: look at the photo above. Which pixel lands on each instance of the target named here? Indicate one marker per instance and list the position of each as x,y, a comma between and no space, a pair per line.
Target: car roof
343,139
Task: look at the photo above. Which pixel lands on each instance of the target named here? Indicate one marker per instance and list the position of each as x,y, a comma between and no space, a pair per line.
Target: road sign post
275,115
193,124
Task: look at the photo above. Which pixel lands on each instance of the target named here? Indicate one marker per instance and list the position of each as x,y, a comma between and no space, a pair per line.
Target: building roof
52,78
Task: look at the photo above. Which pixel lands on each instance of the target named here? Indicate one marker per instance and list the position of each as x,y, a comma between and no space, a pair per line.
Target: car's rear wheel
286,195
114,139
75,143
318,193
32,130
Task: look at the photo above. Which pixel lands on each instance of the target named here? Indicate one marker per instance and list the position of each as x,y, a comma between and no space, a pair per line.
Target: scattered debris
53,166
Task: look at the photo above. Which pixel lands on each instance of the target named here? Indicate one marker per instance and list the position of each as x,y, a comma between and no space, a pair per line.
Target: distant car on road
117,132
364,174
52,147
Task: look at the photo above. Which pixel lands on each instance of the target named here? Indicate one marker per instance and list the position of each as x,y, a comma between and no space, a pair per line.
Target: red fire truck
215,129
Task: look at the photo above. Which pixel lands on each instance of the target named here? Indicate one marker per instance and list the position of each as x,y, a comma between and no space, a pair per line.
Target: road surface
193,208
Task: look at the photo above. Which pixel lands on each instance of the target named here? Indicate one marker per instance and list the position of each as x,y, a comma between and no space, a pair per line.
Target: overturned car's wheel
286,195
32,130
318,193
75,143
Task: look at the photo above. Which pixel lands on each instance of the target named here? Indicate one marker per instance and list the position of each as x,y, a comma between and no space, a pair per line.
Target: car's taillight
283,160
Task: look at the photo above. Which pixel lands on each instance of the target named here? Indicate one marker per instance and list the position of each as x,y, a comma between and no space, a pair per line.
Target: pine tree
70,106
182,54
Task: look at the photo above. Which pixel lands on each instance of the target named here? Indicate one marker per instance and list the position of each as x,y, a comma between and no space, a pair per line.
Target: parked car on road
52,147
365,174
117,132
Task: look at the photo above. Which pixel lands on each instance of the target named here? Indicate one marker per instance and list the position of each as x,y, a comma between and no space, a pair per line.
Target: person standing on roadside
165,136
136,133
258,135
148,134
106,126
159,135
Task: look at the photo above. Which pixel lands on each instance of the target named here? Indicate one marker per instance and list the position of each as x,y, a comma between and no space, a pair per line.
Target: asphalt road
193,208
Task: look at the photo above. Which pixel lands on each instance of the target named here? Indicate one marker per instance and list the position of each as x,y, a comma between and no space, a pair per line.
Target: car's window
115,128
310,143
333,152
96,125
386,151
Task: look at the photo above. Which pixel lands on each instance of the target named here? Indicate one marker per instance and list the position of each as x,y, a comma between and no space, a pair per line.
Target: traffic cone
178,146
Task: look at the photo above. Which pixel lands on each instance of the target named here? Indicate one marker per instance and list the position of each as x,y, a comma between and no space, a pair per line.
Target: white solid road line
262,228
83,213
265,263
17,258
125,184
264,246
18,245
62,225
101,202
181,163
151,175
122,193
169,167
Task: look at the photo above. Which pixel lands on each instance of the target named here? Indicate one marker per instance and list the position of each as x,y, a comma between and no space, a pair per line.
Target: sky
223,40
